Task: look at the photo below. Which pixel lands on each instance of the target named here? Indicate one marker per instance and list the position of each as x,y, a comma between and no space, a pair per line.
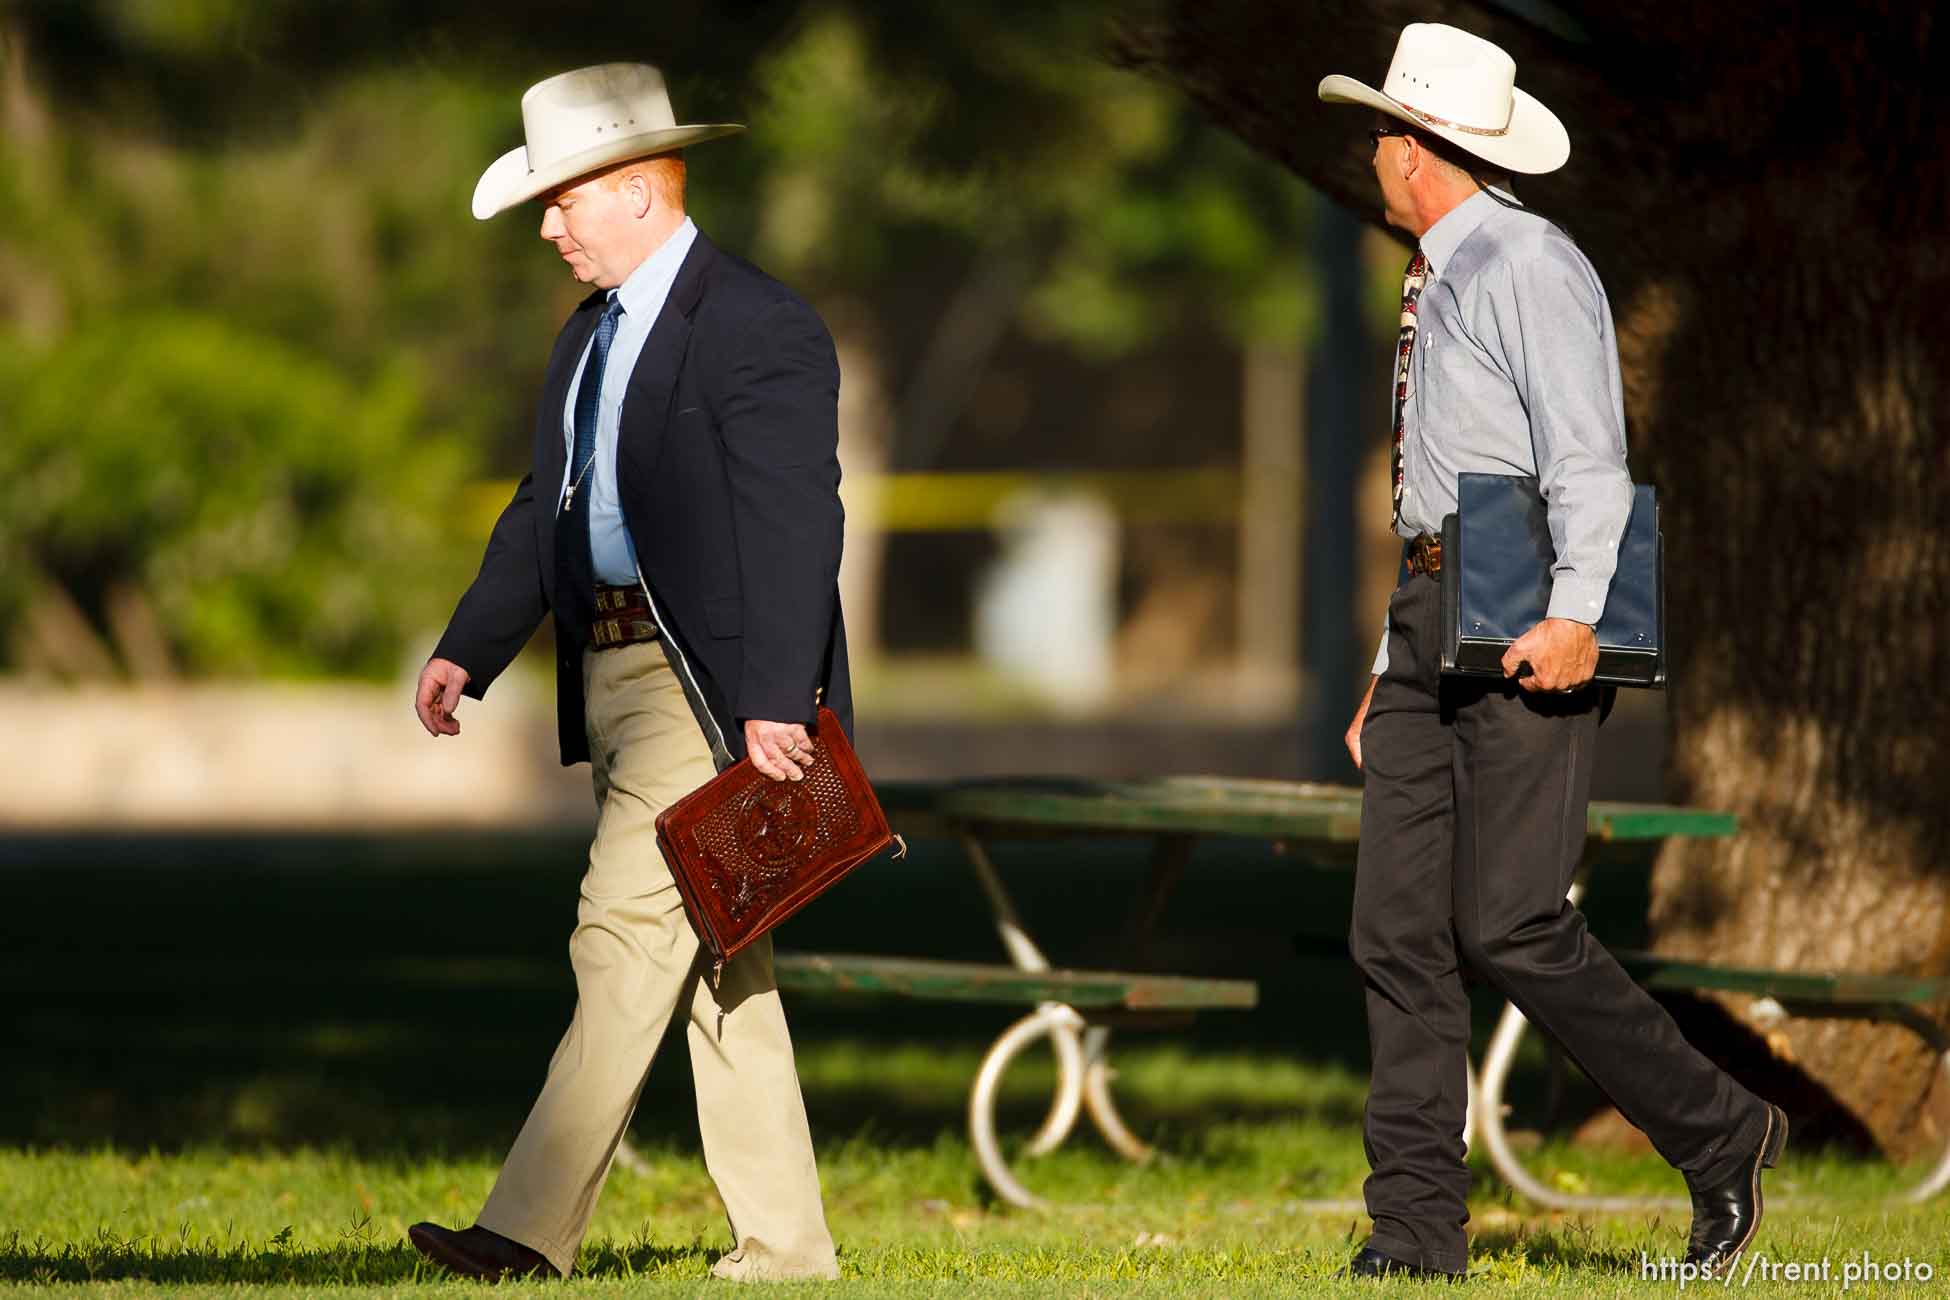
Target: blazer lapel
646,402
551,444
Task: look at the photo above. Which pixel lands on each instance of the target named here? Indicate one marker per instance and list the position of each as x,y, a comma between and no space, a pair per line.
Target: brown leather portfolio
748,851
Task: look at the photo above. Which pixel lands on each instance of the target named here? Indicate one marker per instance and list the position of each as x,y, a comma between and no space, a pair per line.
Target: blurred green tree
178,474
998,160
233,427
295,176
1068,197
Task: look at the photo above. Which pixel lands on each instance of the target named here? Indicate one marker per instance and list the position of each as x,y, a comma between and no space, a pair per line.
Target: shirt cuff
1578,600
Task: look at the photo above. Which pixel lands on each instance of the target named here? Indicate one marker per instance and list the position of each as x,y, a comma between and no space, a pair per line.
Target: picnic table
1076,1010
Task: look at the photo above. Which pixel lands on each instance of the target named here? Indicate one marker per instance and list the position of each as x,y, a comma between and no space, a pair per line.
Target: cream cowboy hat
582,121
1463,89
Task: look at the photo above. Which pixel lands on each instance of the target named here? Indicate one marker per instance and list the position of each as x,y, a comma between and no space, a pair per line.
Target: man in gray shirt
1475,792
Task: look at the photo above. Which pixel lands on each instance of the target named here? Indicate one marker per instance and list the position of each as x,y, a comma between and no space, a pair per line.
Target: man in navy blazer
681,525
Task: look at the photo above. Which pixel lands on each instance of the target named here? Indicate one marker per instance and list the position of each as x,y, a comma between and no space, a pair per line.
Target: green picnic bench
1819,995
1076,1010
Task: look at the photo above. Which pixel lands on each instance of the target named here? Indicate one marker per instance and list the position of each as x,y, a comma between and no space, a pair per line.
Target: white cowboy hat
582,121
1463,89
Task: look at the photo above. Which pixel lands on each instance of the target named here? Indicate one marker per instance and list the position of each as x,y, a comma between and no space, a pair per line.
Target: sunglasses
1377,134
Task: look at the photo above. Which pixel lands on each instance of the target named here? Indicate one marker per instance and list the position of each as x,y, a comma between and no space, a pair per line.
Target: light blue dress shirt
611,549
1515,371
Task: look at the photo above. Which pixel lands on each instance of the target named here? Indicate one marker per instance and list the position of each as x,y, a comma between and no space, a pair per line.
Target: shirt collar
1440,241
647,286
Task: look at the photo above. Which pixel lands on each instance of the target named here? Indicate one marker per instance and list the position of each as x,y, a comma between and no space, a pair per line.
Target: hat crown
1451,75
580,110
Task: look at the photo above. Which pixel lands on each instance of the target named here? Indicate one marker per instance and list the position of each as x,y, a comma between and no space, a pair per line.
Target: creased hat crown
1462,88
1449,74
579,122
571,112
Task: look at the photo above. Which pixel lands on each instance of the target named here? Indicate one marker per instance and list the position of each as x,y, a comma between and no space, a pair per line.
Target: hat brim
508,180
1535,141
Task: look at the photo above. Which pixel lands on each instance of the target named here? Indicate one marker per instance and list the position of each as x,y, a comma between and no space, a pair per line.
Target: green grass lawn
1227,1211
246,1066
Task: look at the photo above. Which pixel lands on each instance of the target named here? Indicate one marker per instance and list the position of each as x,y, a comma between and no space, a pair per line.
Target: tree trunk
1763,188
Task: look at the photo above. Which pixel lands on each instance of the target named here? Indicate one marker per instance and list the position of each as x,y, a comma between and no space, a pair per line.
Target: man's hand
1353,736
1562,654
439,695
781,750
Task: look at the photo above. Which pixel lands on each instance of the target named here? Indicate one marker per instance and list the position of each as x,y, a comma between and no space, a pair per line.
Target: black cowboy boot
1372,1263
1726,1215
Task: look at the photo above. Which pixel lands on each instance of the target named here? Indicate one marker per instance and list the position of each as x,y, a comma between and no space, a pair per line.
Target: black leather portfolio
1496,582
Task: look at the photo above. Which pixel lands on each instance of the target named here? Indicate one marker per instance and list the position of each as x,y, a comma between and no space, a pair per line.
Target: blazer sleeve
778,416
505,604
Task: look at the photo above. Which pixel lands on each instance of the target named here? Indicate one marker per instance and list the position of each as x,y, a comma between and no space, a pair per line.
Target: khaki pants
636,966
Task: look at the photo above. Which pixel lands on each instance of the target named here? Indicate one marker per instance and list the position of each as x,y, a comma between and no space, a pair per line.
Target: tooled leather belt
622,618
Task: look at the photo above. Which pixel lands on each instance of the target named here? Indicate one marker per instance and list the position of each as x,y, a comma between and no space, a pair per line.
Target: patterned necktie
1412,282
589,398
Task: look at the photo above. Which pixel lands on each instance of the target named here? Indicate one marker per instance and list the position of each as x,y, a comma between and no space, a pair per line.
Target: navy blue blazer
728,470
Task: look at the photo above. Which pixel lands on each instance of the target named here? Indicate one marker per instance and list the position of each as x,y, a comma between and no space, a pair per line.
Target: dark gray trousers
1472,826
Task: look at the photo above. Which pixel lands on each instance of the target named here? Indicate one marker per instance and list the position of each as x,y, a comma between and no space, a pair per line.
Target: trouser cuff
1403,1250
563,1258
1734,1151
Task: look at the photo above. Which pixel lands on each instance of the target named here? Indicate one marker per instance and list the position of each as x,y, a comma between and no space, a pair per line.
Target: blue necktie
589,399
575,580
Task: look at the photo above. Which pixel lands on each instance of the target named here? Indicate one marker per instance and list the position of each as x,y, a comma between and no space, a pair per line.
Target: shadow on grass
356,1261
188,1261
639,1259
400,996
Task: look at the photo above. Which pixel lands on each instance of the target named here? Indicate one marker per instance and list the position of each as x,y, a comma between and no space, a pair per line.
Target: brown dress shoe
476,1252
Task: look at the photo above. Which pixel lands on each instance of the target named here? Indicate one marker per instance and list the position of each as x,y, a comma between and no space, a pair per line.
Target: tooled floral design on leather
777,822
757,840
